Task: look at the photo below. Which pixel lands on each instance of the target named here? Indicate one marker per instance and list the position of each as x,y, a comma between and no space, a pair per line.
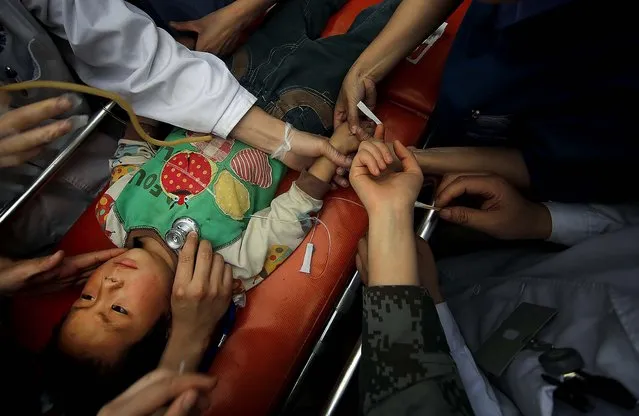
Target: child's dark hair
81,386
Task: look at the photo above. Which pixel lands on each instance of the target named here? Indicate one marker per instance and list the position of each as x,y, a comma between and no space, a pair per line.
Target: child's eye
86,297
119,309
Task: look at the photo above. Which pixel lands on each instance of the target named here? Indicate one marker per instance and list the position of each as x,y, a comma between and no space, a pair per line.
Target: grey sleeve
406,367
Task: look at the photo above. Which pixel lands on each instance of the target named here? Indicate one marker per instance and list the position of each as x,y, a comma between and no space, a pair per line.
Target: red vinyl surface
275,332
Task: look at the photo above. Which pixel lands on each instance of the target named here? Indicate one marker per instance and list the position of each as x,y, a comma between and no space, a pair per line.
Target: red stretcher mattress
275,332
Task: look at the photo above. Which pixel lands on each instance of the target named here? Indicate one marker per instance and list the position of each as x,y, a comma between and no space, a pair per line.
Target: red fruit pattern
217,149
185,175
252,166
102,210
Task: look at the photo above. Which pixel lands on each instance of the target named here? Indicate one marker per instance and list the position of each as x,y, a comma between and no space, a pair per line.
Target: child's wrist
340,145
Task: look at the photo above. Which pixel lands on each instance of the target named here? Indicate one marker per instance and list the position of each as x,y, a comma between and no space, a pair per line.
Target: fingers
339,113
333,155
374,156
227,282
32,115
407,158
189,26
36,266
352,115
216,276
467,217
155,395
341,181
371,93
380,133
34,138
203,266
18,158
484,186
183,405
81,262
186,261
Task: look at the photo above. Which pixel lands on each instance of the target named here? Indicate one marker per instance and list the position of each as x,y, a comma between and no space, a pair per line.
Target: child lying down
117,330
227,188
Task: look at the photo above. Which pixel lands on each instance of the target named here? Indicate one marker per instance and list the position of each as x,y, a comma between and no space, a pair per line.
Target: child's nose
113,283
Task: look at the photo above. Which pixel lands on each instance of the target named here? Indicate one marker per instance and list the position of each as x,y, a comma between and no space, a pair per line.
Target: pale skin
21,135
218,32
388,198
50,273
411,23
184,393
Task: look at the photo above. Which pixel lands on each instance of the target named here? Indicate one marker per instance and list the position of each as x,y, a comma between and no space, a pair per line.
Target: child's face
119,304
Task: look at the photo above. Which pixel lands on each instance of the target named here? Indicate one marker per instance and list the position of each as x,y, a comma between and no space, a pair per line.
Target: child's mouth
128,263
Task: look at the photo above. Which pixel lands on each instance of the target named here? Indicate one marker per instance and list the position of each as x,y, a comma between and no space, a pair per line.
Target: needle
426,206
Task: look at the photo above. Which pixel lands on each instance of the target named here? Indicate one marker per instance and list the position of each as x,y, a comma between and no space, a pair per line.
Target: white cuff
570,223
237,109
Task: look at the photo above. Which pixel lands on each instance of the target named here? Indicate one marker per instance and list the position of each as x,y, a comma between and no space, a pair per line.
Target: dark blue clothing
559,82
295,74
183,10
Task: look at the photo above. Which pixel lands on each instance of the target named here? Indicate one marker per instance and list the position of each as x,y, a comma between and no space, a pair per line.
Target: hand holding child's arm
346,143
201,296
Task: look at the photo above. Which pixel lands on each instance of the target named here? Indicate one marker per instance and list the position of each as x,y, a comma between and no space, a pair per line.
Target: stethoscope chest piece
176,236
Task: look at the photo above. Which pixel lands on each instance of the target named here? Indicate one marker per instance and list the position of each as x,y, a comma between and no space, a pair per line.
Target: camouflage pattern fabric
406,367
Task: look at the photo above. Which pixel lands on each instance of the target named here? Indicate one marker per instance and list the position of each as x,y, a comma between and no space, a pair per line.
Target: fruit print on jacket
186,175
252,165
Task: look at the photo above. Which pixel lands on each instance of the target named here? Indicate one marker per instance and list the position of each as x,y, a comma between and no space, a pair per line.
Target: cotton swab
426,206
368,113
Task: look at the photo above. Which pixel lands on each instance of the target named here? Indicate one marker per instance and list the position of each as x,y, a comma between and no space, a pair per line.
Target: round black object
560,361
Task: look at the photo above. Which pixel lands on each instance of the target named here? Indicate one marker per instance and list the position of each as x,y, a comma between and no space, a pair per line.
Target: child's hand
346,142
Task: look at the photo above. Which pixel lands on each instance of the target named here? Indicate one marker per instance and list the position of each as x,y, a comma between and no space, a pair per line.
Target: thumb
335,156
468,217
380,132
40,265
190,26
353,116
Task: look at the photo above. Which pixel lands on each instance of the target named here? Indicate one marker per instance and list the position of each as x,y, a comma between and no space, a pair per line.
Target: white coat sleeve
574,223
479,391
117,47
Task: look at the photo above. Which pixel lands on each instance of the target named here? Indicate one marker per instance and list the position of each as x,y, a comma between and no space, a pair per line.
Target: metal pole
57,163
344,379
344,302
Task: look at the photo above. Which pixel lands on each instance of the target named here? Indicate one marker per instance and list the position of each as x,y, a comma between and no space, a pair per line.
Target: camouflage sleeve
406,367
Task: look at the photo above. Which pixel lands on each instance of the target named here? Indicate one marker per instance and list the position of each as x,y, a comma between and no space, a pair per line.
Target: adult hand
153,391
503,214
370,131
306,147
21,138
201,292
218,32
378,189
50,273
355,88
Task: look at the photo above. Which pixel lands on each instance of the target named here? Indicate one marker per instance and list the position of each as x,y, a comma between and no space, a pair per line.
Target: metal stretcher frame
424,230
47,174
